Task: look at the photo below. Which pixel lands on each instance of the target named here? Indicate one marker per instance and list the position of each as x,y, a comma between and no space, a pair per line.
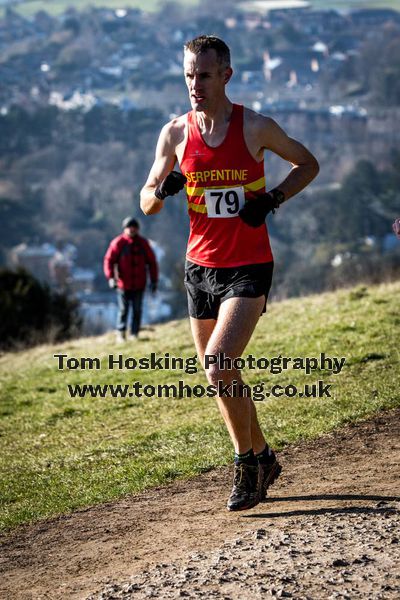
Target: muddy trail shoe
269,472
245,491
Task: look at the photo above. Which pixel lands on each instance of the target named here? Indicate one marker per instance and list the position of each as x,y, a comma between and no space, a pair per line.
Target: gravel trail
330,529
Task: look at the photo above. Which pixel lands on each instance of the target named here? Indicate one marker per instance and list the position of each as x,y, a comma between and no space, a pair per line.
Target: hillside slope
328,530
60,453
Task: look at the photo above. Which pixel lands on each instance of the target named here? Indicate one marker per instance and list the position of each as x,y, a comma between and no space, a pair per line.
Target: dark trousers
126,298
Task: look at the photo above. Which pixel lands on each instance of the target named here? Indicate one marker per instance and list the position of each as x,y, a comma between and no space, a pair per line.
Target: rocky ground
346,555
330,529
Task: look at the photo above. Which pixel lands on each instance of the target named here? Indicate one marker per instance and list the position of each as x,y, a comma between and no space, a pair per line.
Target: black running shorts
207,287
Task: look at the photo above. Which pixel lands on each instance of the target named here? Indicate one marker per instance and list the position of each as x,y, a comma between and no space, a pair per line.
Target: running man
220,149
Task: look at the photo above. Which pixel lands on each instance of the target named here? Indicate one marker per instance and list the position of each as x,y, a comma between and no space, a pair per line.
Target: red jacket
126,260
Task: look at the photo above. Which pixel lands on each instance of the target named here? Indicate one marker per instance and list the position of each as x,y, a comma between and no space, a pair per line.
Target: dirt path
329,530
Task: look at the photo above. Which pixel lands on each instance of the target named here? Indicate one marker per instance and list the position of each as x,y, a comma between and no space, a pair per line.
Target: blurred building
35,259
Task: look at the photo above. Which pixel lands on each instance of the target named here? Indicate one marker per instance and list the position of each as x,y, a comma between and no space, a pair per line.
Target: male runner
220,148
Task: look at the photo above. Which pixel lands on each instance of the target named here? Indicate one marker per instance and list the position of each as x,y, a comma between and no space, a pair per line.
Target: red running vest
218,182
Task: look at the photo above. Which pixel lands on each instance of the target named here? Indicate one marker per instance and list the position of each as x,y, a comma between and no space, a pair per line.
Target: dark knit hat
130,222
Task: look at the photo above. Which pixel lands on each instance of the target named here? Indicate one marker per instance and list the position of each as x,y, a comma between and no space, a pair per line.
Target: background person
220,149
126,262
396,227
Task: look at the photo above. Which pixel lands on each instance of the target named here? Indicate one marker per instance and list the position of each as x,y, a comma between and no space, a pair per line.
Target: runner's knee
215,373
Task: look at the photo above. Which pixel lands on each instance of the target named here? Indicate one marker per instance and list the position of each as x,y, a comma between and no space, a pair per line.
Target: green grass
354,4
58,454
31,7
57,7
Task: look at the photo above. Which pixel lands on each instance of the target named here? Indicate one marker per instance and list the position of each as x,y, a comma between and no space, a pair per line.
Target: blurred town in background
83,96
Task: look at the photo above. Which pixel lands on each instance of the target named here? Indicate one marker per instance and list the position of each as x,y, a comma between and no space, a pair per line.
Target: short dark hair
202,43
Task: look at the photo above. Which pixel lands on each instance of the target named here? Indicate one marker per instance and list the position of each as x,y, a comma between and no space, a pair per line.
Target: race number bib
225,202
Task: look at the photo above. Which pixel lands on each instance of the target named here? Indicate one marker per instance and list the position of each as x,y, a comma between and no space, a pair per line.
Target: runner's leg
201,332
230,334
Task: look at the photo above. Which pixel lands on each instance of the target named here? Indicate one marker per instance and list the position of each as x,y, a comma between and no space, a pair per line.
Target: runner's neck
210,122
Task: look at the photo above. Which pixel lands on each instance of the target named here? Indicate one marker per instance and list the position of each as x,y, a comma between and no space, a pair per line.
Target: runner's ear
228,74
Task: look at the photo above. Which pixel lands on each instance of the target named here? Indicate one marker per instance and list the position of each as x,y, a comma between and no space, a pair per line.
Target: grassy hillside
354,4
57,7
30,7
59,453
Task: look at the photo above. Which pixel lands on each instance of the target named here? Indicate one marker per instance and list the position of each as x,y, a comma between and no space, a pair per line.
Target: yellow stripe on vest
253,186
200,208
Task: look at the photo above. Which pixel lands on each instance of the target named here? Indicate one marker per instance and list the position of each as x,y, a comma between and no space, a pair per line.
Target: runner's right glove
171,185
255,211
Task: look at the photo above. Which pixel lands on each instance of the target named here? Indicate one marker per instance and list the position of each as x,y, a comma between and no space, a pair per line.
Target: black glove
171,185
153,287
255,211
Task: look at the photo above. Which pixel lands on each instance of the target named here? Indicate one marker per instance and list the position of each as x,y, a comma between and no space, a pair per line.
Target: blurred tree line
71,177
338,237
31,313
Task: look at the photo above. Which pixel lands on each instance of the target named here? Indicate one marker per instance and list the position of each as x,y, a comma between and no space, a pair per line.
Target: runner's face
205,79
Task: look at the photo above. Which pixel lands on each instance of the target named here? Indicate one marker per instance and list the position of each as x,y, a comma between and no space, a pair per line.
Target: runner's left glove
255,211
171,185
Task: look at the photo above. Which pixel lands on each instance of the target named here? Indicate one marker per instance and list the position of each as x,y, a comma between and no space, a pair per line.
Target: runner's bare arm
305,166
164,162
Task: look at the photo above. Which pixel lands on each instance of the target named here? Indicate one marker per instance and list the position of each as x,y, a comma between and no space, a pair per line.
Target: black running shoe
269,472
245,491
